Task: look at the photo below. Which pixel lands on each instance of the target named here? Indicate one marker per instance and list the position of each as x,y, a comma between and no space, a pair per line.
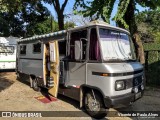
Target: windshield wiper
132,60
115,59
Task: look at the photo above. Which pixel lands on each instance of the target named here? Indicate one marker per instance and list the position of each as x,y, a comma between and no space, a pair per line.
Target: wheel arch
86,88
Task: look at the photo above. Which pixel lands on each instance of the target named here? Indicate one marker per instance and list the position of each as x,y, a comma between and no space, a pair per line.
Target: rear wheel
18,76
35,84
94,105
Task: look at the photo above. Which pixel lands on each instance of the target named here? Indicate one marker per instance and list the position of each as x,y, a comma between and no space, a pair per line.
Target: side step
50,82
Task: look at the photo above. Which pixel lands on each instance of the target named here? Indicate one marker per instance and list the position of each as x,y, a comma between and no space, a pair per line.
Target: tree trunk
130,20
140,50
61,21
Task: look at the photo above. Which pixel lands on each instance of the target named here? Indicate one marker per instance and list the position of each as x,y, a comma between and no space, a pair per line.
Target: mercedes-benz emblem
136,81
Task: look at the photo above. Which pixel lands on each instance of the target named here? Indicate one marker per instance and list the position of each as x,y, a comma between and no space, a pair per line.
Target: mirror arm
83,39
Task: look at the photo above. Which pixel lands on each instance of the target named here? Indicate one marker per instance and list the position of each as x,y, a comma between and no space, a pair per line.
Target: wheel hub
93,105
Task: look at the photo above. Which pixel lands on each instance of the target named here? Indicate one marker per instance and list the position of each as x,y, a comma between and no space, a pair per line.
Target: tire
35,85
96,110
18,76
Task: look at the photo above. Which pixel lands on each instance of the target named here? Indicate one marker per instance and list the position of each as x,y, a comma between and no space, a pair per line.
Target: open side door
54,67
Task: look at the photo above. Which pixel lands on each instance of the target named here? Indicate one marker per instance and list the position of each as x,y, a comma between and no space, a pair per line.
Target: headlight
120,85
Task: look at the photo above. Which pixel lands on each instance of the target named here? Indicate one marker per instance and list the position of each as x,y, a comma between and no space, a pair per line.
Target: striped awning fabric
37,37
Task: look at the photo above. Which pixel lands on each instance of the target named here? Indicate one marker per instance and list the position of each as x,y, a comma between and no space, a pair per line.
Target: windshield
116,45
6,49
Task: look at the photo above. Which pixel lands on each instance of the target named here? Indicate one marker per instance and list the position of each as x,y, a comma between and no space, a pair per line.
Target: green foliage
122,8
68,25
10,5
21,16
148,3
95,9
43,27
103,9
148,25
153,76
156,36
152,73
151,46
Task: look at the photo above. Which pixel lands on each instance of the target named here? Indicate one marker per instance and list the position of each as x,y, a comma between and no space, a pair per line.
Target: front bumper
121,100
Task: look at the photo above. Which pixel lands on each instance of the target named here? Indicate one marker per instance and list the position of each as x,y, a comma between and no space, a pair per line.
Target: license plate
138,95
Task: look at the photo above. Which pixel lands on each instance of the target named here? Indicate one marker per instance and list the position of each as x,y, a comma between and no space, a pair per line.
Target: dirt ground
18,96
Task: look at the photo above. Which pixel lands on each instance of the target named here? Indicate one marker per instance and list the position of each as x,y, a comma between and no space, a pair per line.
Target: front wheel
94,105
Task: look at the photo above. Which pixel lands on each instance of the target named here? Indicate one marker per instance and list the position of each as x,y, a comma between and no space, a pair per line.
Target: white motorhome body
8,53
95,64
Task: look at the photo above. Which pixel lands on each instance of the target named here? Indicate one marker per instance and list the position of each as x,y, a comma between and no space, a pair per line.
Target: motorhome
94,64
8,53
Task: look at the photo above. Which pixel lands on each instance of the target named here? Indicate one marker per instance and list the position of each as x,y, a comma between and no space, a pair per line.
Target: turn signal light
104,74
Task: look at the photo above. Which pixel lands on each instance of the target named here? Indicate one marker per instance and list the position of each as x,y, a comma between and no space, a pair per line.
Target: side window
37,48
62,48
81,37
94,50
23,49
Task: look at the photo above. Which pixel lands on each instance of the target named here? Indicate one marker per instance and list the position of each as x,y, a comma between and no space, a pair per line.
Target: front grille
137,81
132,82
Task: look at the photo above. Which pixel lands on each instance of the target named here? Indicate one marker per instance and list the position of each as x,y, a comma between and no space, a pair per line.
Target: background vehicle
8,53
94,64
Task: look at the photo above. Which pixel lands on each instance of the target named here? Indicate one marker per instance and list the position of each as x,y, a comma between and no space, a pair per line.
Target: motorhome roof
98,23
54,34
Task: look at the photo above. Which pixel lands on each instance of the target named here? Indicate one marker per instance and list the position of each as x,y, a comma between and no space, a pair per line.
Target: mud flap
54,67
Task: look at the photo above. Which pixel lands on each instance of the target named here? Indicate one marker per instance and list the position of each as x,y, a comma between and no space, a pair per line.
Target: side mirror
78,50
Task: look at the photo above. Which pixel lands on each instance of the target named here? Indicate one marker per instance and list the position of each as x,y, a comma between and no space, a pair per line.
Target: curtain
115,45
94,51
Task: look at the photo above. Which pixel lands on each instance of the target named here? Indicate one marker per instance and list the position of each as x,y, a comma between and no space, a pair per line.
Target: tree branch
64,5
56,5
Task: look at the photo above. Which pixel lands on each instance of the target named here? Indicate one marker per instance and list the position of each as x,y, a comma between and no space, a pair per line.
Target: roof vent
98,22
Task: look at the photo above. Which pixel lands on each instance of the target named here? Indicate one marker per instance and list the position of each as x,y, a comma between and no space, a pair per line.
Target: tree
125,16
32,14
10,5
20,16
59,10
7,6
78,19
43,27
148,25
68,25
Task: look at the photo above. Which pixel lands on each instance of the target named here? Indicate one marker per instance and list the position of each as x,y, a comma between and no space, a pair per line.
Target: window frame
117,30
33,48
25,49
69,44
60,42
100,50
